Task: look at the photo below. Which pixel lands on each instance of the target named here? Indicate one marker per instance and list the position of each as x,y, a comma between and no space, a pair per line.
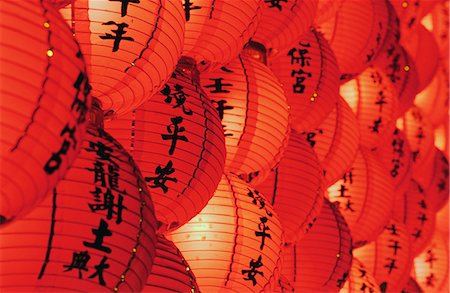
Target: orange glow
360,279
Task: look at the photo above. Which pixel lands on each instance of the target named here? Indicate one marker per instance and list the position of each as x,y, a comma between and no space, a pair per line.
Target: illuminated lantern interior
360,279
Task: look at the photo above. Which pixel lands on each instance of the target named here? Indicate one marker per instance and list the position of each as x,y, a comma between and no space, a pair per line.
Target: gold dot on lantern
50,53
116,289
134,249
188,269
132,63
314,96
338,255
140,189
46,24
122,277
406,68
404,4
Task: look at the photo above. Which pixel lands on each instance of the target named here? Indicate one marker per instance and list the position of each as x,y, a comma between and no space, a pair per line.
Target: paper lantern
310,78
320,261
234,243
365,196
283,22
335,141
373,99
94,233
326,9
254,114
409,13
440,21
170,271
216,31
432,266
44,103
438,191
360,280
131,48
177,140
412,287
356,34
413,209
295,188
396,155
421,46
389,258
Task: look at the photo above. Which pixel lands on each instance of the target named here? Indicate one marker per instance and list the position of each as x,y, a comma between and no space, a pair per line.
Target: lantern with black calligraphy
432,265
295,188
170,271
440,22
360,279
389,258
373,99
283,22
409,14
43,106
365,196
234,243
216,31
310,78
320,261
254,113
412,287
335,141
438,190
131,47
356,33
94,233
177,140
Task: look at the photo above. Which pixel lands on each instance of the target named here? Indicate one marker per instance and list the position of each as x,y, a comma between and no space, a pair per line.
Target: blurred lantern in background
131,47
356,33
440,26
320,261
389,258
44,104
170,271
360,279
335,141
310,77
365,197
94,233
409,14
438,191
295,188
234,243
177,140
412,287
283,22
373,99
216,31
441,134
254,113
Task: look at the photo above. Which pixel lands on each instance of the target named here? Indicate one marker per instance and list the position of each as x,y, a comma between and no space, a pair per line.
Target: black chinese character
251,274
100,233
160,180
262,231
275,3
187,6
298,55
179,96
391,265
79,261
221,107
376,125
218,85
430,257
125,5
109,205
394,246
173,130
99,271
298,86
120,31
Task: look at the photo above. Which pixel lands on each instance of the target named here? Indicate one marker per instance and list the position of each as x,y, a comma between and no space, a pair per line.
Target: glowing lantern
438,191
414,210
254,114
422,47
320,261
335,141
216,31
440,29
373,99
95,232
310,78
356,33
294,188
170,271
365,197
44,103
412,287
283,22
360,279
432,266
177,140
389,258
131,47
441,134
234,243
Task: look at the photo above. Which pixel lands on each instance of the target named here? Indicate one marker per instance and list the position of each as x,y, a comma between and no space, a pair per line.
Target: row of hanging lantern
193,145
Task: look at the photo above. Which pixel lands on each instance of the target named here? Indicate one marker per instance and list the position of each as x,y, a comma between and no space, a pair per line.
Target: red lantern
295,188
254,114
335,141
177,140
310,78
356,33
94,233
414,210
170,271
373,99
389,258
440,21
438,191
360,279
432,266
44,103
234,243
131,47
327,9
320,261
365,197
283,22
412,287
409,13
216,31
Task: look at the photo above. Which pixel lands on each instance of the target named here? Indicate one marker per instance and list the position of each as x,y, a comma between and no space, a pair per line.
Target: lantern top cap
256,51
188,66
